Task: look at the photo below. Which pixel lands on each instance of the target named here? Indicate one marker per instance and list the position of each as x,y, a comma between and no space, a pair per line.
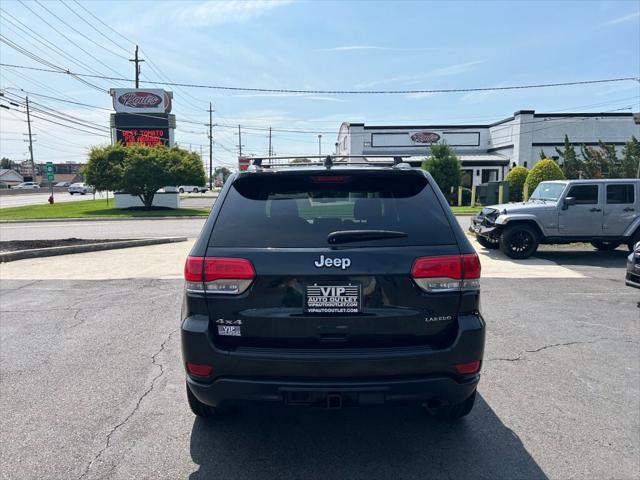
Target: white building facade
488,152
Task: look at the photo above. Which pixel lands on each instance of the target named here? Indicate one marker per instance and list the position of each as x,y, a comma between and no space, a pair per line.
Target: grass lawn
466,210
99,208
90,209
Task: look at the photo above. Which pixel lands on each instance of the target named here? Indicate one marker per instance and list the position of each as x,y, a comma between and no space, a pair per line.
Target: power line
24,30
73,43
342,92
109,39
80,33
41,60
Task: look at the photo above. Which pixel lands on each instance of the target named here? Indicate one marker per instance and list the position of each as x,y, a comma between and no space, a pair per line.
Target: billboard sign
150,137
137,100
26,168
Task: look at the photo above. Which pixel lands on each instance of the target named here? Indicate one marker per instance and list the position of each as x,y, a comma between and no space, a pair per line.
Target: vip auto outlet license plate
333,299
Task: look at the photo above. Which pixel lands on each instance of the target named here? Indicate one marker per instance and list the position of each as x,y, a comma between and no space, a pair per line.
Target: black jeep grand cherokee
332,286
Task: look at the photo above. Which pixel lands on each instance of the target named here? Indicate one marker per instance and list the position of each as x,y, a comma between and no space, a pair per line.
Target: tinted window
301,209
620,194
584,194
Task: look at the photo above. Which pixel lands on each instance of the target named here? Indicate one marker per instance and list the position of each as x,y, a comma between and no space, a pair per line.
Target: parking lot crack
108,441
499,359
553,345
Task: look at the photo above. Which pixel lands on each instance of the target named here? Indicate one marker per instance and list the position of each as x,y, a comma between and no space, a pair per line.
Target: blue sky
319,45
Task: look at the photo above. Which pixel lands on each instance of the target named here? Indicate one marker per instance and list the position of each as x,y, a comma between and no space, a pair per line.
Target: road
40,198
186,227
92,384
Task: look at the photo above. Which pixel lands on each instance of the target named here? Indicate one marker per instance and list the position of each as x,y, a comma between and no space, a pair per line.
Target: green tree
222,170
630,164
104,169
571,164
516,178
542,154
542,171
444,167
598,161
141,171
6,163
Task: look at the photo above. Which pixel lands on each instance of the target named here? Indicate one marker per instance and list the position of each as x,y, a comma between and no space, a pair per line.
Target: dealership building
488,152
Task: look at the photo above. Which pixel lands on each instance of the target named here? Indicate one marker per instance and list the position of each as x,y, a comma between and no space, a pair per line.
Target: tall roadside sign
142,117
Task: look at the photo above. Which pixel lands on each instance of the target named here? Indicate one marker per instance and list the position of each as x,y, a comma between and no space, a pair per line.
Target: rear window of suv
290,210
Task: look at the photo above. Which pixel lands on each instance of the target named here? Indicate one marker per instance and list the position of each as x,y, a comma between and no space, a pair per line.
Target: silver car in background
81,188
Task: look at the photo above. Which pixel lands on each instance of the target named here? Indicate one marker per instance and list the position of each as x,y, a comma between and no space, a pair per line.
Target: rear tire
455,412
488,244
605,246
519,241
198,408
195,190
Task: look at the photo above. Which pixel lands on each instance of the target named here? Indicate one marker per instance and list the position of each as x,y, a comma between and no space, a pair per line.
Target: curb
102,219
93,247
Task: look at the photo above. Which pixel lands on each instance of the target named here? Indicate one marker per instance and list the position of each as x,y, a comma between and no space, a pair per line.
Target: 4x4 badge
332,262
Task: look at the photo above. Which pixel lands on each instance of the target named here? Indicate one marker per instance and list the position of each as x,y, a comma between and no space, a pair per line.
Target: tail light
447,273
199,369
228,276
468,368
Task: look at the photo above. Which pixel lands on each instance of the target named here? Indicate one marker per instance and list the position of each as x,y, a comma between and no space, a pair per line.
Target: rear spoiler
328,161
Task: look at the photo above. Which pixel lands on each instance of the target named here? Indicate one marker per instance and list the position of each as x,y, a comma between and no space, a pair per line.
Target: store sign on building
131,100
424,137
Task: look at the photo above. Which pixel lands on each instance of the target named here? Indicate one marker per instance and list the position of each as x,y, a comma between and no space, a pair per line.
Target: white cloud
225,11
303,96
455,69
623,19
420,95
347,48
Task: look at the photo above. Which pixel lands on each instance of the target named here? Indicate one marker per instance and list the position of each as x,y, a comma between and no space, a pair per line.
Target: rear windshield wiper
346,236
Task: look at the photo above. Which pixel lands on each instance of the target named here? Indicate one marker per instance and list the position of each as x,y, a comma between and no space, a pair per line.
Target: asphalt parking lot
92,384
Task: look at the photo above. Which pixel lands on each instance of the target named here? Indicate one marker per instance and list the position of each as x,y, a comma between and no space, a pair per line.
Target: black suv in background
332,285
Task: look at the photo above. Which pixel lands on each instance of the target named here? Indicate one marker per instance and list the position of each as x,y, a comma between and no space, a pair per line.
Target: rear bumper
442,390
360,376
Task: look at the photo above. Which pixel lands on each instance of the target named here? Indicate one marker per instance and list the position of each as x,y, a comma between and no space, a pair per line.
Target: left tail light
227,276
447,273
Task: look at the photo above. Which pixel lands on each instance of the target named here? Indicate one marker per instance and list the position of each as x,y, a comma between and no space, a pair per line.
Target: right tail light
447,273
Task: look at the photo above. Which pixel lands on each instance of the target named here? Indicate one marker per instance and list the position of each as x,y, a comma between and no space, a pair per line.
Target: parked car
62,184
191,189
325,287
81,188
168,189
605,213
633,267
27,185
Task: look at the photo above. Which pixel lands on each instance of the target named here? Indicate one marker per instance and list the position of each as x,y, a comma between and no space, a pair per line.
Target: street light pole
319,144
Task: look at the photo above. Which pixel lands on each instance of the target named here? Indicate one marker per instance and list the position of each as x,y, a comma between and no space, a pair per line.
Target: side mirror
568,202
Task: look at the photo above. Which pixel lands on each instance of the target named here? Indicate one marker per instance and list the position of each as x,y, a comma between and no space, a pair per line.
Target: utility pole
33,165
239,142
270,150
137,62
320,144
210,147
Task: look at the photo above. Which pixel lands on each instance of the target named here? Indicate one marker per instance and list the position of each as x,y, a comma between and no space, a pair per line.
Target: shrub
516,178
542,171
444,167
141,171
